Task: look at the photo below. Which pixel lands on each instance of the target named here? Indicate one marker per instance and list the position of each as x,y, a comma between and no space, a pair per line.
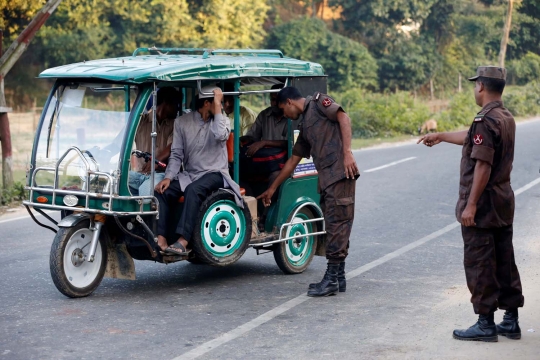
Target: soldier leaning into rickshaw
325,134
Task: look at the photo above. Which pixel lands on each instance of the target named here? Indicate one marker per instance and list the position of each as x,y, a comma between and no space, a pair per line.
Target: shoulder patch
327,102
478,139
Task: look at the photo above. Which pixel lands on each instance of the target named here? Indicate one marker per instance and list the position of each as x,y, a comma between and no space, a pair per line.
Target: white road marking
25,217
269,315
388,165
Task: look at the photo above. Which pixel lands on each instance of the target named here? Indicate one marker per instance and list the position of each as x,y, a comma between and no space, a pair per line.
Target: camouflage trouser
337,204
490,269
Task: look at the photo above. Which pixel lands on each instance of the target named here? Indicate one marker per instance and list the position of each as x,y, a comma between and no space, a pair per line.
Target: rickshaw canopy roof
211,64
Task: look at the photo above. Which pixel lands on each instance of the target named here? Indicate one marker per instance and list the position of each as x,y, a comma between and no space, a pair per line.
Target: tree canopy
374,44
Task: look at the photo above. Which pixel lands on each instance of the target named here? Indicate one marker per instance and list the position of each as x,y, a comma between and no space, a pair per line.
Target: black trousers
490,268
194,194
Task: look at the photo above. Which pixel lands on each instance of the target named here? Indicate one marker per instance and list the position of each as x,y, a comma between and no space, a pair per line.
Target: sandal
177,249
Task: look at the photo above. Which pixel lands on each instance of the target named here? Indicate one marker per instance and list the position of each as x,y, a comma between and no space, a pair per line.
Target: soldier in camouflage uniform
485,209
325,134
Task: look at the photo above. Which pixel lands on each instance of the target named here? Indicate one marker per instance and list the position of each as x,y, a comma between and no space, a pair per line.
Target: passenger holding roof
199,143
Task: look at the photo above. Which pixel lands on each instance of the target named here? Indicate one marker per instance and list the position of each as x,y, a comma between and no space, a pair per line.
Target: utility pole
506,33
7,61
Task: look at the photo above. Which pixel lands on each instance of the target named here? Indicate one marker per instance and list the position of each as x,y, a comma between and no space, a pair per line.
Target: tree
506,33
378,24
231,23
347,63
409,65
525,32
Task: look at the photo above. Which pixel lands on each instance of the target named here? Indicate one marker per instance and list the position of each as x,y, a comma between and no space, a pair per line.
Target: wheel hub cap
77,257
223,228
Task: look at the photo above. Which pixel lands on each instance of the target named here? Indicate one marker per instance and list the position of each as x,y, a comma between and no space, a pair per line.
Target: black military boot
342,282
328,285
509,327
484,330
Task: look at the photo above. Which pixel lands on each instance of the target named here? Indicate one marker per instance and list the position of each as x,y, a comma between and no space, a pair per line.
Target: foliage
383,115
523,100
460,112
525,70
526,30
15,15
379,23
346,62
409,65
14,193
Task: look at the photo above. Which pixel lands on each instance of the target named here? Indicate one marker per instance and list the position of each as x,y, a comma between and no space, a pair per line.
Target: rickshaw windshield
91,117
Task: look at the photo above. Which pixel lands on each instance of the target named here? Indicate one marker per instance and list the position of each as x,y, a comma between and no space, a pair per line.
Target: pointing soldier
485,209
325,134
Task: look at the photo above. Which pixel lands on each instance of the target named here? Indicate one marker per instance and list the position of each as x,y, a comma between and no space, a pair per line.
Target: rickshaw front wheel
294,256
223,230
72,275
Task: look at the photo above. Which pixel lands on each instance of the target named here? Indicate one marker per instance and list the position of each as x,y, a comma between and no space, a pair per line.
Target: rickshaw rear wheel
223,230
72,275
294,256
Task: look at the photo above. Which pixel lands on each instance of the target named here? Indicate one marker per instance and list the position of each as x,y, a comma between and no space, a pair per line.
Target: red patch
327,102
478,139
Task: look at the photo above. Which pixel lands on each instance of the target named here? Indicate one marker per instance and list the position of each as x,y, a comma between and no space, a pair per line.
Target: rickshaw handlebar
147,157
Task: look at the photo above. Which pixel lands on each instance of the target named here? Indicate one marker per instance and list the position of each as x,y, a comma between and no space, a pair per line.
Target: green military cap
493,72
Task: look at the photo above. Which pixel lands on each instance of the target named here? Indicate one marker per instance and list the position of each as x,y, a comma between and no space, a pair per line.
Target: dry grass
22,126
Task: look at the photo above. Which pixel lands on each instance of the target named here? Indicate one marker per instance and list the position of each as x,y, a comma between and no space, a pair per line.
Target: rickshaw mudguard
120,264
73,220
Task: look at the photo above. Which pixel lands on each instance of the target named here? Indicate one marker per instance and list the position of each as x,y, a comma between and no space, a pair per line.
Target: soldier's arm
482,171
351,170
287,170
456,137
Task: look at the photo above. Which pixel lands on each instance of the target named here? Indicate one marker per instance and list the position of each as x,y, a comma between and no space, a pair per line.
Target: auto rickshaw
82,155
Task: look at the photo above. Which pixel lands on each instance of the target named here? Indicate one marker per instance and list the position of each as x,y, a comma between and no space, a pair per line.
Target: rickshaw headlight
71,200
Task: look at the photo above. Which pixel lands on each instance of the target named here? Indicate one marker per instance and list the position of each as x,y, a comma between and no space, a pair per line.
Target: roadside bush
523,100
460,112
524,70
383,115
14,193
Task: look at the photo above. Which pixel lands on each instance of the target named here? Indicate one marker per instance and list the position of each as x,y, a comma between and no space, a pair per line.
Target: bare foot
162,242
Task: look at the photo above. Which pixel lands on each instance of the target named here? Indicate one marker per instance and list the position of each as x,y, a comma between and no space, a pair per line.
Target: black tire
231,230
78,279
294,256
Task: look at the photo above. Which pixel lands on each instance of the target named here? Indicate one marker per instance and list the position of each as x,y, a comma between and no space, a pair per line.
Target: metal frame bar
207,52
154,136
86,193
284,225
268,91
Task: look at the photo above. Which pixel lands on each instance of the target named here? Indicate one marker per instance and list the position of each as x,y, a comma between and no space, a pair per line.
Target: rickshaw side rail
110,197
284,225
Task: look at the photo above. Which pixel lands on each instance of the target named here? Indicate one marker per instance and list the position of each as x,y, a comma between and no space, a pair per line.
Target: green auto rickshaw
83,152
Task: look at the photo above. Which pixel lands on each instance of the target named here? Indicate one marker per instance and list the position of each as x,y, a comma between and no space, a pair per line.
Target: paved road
407,295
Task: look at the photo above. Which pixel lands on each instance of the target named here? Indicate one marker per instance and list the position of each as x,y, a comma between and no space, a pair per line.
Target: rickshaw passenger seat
230,147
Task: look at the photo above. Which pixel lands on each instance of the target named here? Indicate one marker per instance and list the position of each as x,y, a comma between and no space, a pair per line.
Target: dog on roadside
429,126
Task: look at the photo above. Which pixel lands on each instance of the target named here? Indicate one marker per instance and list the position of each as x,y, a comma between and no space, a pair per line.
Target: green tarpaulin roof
213,65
